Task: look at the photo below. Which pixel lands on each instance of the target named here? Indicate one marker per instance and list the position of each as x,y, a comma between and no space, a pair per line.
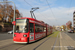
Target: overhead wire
52,11
50,8
38,11
69,10
28,3
68,14
70,6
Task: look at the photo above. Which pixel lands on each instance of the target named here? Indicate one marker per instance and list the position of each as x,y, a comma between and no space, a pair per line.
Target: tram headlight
24,35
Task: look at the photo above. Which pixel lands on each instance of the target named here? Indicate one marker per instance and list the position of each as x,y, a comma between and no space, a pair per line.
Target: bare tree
7,11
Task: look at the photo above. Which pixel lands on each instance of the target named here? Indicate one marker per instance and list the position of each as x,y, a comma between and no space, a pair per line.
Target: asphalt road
4,36
72,35
46,43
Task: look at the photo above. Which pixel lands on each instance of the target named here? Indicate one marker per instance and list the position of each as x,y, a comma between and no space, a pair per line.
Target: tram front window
21,26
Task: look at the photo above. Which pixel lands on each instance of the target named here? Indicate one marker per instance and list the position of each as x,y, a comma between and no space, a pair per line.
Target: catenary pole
14,13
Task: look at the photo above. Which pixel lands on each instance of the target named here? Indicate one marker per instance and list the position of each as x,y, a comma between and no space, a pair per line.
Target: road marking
55,42
60,36
60,41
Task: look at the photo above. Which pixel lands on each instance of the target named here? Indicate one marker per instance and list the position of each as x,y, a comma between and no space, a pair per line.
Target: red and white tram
29,29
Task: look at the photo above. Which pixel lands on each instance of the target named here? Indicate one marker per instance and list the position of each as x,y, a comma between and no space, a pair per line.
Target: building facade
74,20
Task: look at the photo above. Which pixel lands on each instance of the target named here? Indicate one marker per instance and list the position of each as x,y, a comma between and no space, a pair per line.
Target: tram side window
48,29
38,28
41,29
31,28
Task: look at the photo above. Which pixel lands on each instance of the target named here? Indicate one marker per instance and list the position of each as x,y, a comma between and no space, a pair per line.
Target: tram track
19,46
6,46
15,46
45,41
36,46
54,43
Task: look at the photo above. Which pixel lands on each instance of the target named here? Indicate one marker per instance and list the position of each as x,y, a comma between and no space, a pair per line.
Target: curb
60,41
66,42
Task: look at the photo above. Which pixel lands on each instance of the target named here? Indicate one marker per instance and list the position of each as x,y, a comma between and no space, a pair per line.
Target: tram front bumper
22,40
19,42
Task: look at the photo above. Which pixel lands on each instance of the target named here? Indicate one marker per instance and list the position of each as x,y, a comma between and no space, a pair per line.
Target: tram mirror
13,22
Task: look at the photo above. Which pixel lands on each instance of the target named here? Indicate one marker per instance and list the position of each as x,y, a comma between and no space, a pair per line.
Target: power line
38,11
51,10
70,5
69,8
28,3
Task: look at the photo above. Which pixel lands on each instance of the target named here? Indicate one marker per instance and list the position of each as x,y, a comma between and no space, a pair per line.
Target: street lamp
14,13
32,10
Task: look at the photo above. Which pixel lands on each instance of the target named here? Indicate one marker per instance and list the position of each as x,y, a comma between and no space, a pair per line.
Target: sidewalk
66,42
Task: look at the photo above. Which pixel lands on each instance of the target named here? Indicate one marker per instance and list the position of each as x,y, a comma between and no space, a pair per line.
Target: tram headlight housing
24,35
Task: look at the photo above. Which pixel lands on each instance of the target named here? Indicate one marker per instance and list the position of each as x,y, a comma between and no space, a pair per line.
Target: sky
52,12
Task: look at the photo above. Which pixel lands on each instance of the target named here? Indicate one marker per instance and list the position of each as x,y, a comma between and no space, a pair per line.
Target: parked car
10,32
71,31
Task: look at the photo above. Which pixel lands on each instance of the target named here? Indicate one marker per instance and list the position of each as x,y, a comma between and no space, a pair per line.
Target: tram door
31,32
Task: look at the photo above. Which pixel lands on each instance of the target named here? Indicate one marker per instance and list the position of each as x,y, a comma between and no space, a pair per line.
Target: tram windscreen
21,26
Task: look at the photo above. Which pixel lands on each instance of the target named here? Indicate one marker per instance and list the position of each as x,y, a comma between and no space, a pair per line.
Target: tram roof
33,20
30,19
